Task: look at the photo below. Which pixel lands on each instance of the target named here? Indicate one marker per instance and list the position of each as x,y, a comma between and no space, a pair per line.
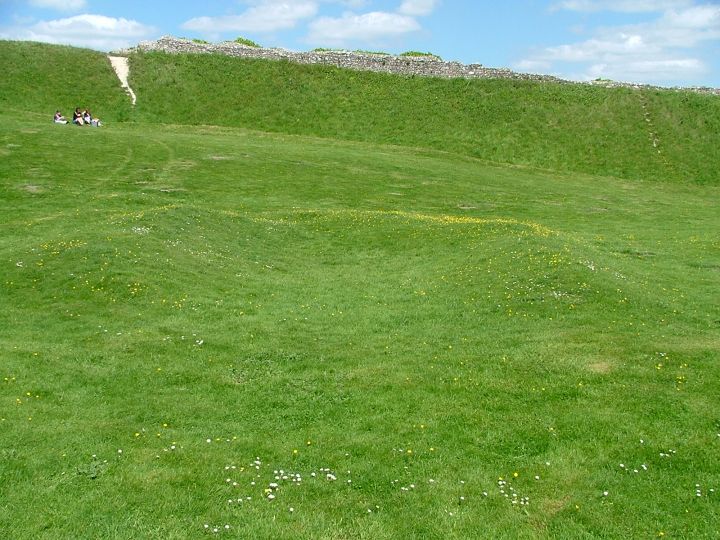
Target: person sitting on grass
59,118
78,117
89,120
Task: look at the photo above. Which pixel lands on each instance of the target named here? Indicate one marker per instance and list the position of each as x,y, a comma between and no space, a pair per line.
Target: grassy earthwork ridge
41,78
218,331
652,135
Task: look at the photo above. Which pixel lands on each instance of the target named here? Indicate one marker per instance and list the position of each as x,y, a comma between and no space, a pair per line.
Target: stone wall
423,66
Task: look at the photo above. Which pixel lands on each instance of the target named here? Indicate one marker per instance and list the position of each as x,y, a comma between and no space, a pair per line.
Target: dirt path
652,131
122,68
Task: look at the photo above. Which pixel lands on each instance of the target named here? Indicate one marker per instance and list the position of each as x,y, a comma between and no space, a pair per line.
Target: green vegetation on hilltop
420,54
246,41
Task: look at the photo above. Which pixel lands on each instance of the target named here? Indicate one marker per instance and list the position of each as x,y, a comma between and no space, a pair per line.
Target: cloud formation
368,28
268,16
60,5
93,31
374,27
417,8
623,6
663,50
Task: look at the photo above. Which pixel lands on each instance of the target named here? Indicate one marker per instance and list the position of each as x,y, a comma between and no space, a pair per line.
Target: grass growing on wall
246,41
420,54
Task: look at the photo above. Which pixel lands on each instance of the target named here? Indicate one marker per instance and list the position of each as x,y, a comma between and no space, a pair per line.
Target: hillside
654,135
232,332
41,78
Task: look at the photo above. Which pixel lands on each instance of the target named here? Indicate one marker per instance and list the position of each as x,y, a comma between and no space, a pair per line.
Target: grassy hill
194,315
558,127
42,78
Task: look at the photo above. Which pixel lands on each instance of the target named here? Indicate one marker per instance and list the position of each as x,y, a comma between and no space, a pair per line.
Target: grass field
303,337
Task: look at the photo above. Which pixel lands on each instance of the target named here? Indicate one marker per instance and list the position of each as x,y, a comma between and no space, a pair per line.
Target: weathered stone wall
424,66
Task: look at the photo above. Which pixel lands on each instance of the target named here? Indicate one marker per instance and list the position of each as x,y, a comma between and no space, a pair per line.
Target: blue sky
665,42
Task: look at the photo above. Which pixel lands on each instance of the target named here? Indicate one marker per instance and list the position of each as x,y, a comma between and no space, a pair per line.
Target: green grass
420,53
43,78
413,316
246,41
575,128
559,127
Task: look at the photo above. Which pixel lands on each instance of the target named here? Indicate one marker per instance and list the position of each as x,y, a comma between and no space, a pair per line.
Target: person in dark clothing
78,117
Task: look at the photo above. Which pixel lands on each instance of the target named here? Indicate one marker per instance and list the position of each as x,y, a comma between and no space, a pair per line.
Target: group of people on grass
79,118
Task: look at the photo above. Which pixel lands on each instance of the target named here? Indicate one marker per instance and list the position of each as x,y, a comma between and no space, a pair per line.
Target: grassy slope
42,78
168,284
559,127
593,130
364,298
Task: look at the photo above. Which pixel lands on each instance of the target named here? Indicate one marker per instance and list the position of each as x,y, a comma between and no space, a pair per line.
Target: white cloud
370,27
417,8
533,66
657,69
663,50
93,31
60,5
625,6
355,4
267,16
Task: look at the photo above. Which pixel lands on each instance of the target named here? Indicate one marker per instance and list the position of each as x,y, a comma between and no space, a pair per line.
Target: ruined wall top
424,66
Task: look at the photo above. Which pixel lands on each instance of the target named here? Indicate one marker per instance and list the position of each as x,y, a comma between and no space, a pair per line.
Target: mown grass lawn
409,343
